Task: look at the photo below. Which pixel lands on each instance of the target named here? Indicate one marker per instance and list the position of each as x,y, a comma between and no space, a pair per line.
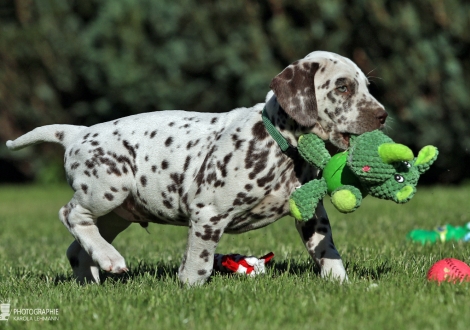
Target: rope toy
236,263
373,165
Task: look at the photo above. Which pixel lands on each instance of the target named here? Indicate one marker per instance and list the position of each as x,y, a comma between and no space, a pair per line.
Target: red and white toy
449,270
236,263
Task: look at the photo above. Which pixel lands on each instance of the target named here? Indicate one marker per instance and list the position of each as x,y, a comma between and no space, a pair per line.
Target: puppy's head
328,92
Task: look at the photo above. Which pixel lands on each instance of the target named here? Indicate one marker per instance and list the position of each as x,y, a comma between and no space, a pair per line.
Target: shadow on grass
369,272
158,271
162,270
294,268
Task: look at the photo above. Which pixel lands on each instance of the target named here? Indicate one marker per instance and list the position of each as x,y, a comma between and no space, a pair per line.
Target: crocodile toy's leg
304,200
313,150
346,198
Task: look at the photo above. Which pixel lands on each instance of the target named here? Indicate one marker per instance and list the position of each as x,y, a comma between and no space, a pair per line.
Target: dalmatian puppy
215,173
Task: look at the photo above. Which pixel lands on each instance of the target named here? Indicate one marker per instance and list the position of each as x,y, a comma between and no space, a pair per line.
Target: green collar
285,146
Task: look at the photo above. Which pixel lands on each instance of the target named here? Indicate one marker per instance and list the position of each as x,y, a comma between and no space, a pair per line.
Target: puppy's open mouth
345,137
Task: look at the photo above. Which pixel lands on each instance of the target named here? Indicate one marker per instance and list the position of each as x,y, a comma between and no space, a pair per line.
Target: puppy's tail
61,134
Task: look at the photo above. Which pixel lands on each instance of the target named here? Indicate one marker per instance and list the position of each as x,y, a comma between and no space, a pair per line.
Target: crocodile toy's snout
405,194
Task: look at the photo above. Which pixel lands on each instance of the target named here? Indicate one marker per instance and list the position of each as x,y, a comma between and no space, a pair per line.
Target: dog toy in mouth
441,234
236,263
373,165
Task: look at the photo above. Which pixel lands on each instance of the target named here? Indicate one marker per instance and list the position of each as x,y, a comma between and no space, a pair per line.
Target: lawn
387,289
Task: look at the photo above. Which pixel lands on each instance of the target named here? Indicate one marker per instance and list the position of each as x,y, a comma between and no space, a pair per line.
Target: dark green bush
86,61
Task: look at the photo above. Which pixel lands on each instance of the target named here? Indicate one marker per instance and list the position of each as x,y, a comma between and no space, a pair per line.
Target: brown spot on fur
222,166
243,198
325,85
330,96
192,144
200,175
209,234
255,159
59,135
86,223
204,255
186,163
169,141
259,131
112,166
217,218
129,148
267,178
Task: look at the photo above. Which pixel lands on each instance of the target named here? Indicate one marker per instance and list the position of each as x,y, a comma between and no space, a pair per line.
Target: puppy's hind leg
81,221
85,270
83,266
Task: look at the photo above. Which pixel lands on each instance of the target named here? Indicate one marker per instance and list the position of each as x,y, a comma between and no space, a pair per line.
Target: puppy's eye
407,164
342,89
399,178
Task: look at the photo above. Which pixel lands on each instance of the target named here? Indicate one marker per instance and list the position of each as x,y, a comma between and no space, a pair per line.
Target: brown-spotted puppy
214,173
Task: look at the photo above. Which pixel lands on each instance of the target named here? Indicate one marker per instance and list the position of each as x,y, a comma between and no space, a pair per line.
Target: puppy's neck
288,127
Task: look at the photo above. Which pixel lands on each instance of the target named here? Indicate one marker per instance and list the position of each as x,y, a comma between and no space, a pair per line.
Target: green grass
387,289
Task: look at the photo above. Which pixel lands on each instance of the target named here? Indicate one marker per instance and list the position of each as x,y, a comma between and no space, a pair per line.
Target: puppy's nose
381,115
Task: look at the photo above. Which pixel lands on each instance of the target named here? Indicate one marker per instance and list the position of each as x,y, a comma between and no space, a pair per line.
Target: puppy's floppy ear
295,91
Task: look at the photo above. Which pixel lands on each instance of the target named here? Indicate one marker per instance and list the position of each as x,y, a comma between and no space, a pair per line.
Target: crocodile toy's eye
399,178
342,89
407,164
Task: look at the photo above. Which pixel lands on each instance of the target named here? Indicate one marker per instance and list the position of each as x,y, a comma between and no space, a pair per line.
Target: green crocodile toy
441,234
373,165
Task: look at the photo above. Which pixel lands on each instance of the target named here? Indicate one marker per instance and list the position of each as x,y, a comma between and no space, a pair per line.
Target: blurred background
88,61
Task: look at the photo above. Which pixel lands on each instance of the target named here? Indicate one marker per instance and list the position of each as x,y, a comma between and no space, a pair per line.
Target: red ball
449,270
